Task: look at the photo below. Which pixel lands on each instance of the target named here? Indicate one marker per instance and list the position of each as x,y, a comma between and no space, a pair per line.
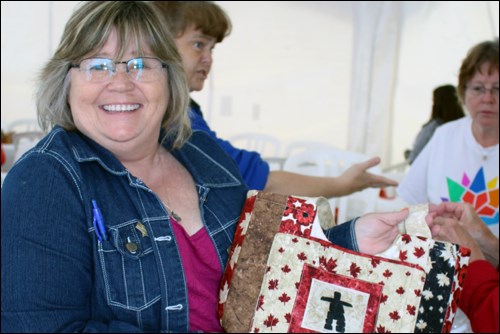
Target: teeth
121,107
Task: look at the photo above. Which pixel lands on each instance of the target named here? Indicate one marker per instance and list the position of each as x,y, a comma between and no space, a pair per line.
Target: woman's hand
375,232
457,222
357,177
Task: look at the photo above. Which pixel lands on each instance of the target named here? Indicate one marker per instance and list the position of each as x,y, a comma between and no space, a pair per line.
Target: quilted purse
445,264
284,276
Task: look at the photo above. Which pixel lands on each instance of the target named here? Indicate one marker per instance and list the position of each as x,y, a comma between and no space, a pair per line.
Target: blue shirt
253,168
57,276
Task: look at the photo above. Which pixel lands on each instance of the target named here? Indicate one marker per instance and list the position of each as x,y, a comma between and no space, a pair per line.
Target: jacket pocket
129,268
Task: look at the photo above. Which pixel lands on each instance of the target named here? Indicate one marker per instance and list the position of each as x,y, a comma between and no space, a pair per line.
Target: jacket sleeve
479,299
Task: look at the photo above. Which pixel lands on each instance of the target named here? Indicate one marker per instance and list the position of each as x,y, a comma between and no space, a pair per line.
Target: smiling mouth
121,107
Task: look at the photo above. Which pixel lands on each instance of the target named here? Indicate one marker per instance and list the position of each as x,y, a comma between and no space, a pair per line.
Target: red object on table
3,156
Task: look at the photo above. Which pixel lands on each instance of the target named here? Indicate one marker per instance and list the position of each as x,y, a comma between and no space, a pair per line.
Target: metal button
142,229
131,246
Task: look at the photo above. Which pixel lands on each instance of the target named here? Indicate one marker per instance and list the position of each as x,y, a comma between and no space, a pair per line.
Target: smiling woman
120,154
301,56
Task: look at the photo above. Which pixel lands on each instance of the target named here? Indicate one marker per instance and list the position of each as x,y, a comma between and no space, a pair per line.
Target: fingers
452,209
380,181
376,181
370,163
394,218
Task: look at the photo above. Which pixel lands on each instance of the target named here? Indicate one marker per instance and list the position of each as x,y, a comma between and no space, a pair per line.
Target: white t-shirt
454,167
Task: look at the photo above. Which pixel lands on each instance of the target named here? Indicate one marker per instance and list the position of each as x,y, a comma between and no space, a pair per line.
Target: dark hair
446,106
482,53
204,15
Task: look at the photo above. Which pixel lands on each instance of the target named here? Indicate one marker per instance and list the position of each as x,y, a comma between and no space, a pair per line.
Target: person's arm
255,171
479,299
48,268
371,233
354,179
473,224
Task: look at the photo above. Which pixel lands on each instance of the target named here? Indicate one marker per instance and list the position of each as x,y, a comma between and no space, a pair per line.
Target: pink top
203,276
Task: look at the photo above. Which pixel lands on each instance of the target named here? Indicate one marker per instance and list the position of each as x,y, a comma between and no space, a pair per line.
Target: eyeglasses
142,69
481,90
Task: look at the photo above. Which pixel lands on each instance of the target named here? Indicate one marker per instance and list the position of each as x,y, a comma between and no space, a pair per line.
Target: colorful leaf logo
482,195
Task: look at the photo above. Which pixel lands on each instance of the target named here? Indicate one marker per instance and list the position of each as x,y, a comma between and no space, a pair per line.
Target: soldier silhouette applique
335,312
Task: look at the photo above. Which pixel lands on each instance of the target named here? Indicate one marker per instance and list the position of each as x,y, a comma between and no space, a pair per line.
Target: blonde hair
85,34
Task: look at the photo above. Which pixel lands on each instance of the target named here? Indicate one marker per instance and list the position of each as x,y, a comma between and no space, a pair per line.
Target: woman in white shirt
460,162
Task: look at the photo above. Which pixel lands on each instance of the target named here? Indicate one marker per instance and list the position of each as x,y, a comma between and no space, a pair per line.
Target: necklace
172,214
485,152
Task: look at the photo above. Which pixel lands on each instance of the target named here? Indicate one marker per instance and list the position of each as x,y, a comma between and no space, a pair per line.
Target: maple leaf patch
354,270
284,298
271,321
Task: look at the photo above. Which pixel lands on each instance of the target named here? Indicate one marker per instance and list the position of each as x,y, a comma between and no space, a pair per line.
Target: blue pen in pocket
100,228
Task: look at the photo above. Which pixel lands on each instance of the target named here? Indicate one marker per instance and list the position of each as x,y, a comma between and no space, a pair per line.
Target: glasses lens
145,69
481,90
139,69
97,69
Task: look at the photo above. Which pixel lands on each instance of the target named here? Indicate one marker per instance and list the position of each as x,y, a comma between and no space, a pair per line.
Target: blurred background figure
446,107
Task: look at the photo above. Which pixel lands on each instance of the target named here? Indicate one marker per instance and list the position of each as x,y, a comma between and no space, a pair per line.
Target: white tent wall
356,75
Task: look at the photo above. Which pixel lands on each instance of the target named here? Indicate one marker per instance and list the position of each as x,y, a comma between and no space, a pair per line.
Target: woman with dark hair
446,107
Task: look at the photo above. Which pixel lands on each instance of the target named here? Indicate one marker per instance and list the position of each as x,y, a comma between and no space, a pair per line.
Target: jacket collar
206,170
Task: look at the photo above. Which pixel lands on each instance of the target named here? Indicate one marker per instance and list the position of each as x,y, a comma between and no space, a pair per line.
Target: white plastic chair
266,145
317,162
23,125
23,141
333,162
300,146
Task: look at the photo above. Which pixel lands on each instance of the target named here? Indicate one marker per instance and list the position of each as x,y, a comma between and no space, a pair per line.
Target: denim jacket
57,275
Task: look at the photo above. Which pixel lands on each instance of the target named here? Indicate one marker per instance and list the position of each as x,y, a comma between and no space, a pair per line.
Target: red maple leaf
394,315
383,298
284,298
260,303
406,238
410,309
375,262
302,256
273,284
400,290
288,317
295,240
271,321
465,251
256,330
329,265
354,270
286,269
419,252
417,292
381,329
387,273
402,255
281,250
